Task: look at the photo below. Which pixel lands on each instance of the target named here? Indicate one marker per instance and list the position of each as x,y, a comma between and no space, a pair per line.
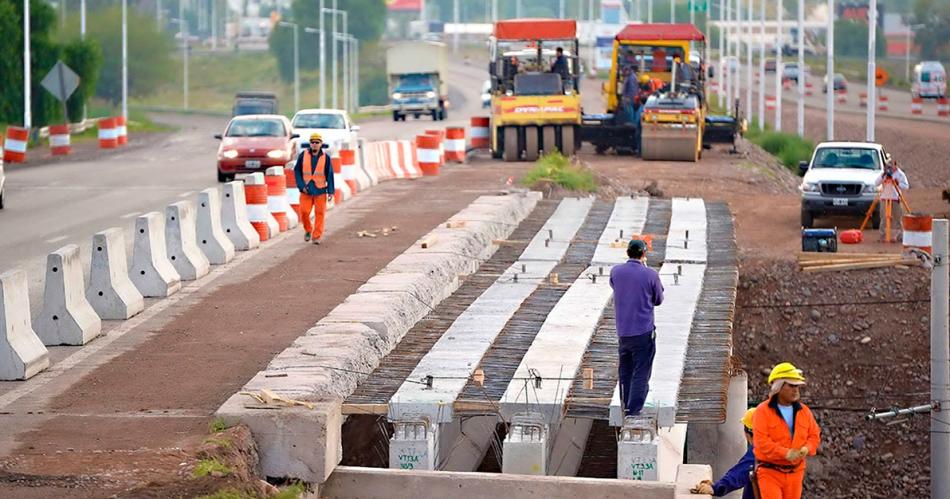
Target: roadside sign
880,77
698,5
61,81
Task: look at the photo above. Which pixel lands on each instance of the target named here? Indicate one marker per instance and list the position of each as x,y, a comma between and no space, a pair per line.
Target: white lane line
130,215
56,239
186,194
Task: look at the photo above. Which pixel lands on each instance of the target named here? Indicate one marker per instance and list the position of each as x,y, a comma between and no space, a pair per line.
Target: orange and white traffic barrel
863,99
427,151
276,183
479,132
809,89
121,132
338,183
943,107
916,105
14,147
441,135
843,97
918,231
787,84
59,140
255,195
293,192
882,102
770,102
348,169
108,135
455,144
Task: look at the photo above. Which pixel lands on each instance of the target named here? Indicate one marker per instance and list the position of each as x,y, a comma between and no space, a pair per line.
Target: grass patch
293,491
220,442
228,494
217,425
787,147
211,466
558,169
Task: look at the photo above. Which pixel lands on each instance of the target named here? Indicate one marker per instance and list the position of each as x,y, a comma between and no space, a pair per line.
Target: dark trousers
636,366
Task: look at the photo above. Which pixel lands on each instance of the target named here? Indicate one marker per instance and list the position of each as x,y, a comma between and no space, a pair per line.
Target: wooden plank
376,409
461,406
859,266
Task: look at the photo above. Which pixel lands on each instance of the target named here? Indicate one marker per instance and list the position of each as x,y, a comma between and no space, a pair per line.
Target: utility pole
939,360
158,14
125,59
82,20
296,62
749,68
830,73
801,68
323,60
214,24
872,70
560,9
762,64
779,47
27,114
672,11
723,72
455,19
692,14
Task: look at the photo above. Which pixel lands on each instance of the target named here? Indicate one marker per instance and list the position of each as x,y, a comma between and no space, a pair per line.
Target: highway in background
51,205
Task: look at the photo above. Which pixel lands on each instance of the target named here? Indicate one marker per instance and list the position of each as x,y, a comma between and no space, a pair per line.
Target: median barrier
943,108
111,292
180,242
66,318
916,105
255,192
276,181
23,354
235,220
151,271
348,169
293,193
212,240
455,144
59,140
363,157
14,146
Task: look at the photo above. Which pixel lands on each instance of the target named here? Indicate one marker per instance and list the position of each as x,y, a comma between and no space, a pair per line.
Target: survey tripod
888,206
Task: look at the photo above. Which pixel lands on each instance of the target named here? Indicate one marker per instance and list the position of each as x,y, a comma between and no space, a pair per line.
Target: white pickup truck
840,180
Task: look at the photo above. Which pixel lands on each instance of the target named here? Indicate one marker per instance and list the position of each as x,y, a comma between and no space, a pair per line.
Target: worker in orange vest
784,434
314,174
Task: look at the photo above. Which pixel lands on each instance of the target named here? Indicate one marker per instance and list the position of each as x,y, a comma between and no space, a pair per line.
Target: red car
253,143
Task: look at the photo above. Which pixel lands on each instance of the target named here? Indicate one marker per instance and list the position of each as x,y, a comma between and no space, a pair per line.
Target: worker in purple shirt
637,289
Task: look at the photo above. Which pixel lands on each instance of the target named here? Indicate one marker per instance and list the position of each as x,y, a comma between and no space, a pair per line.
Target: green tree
150,53
934,36
85,58
851,40
43,55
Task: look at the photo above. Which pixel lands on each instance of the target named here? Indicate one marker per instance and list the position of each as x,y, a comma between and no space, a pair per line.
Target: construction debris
825,262
385,231
268,398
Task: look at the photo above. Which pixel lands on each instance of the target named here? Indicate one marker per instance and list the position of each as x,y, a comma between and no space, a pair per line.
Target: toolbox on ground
820,240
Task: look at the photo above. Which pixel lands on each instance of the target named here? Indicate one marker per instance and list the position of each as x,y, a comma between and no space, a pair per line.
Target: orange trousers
774,484
317,204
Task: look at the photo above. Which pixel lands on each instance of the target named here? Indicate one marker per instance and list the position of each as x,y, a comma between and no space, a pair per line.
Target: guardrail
79,127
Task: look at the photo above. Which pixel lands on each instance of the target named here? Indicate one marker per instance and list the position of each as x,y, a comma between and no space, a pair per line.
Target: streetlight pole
672,11
722,38
749,70
650,11
183,31
910,29
455,20
323,60
336,62
346,69
158,14
762,64
82,20
779,47
872,70
801,68
830,73
125,60
214,24
27,114
296,61
692,14
939,365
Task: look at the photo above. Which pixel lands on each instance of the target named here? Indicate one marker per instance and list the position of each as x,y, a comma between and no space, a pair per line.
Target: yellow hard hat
316,136
747,419
644,78
786,371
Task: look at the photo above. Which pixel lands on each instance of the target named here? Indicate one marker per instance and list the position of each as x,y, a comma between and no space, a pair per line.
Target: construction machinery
673,122
535,103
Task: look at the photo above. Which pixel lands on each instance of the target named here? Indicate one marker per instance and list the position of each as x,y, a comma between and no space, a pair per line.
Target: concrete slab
234,219
183,252
151,271
67,318
212,239
627,219
686,241
111,293
22,354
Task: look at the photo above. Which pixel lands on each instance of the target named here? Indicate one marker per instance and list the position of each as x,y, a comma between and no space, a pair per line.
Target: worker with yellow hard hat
738,477
314,174
784,435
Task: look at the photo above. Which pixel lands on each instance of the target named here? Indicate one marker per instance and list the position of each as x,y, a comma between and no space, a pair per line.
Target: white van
930,80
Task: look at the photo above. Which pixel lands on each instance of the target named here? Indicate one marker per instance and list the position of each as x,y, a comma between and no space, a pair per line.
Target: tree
85,58
933,37
851,40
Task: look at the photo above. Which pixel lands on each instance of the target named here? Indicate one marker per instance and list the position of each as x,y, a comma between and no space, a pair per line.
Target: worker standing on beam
784,434
637,290
738,477
314,174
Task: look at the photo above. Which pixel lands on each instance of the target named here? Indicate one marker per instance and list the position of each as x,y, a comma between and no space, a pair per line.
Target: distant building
896,32
859,11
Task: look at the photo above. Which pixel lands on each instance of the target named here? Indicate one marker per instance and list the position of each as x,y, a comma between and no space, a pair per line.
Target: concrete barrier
180,242
212,240
234,219
152,272
111,293
23,354
67,318
363,160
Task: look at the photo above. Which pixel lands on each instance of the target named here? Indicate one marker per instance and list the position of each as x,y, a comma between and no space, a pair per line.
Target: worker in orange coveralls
784,434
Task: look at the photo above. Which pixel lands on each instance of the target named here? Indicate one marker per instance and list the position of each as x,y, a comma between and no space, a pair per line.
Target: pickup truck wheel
808,219
395,115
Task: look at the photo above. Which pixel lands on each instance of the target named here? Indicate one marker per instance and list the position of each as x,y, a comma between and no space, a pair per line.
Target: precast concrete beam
66,318
152,272
627,219
470,444
234,219
686,239
645,452
182,248
22,354
527,446
570,441
111,293
412,446
212,239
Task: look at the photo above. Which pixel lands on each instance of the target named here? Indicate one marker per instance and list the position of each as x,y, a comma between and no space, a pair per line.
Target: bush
558,169
787,147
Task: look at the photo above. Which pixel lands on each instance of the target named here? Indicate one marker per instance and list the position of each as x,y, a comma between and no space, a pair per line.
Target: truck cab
417,79
254,103
840,180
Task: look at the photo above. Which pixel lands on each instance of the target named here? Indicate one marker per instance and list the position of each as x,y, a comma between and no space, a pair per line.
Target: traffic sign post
881,77
61,81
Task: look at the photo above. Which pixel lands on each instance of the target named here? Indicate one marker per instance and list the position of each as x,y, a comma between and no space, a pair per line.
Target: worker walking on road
784,434
637,290
893,183
738,477
314,174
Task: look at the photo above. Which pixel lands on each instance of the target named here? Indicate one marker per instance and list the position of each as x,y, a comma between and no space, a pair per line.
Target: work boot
316,241
306,237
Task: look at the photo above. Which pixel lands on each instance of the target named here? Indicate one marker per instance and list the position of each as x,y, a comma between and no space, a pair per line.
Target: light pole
692,15
125,60
336,62
455,19
872,70
323,60
214,24
801,68
82,20
183,31
27,115
779,47
911,28
296,61
748,73
342,40
830,73
722,53
319,33
672,11
762,64
158,14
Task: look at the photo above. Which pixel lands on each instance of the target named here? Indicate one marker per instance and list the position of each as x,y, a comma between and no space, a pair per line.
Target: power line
835,304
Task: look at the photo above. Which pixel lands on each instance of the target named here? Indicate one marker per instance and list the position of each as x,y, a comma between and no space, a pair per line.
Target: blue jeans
635,366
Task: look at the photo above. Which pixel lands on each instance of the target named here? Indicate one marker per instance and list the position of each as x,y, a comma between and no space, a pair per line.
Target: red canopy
683,31
536,29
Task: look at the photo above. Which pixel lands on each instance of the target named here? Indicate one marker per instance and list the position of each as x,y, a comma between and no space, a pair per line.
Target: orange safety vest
317,174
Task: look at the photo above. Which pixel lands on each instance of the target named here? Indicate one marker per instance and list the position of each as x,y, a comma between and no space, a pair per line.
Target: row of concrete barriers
179,245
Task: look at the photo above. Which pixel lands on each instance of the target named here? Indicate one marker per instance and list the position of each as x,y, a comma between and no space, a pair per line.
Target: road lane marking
130,215
56,239
186,194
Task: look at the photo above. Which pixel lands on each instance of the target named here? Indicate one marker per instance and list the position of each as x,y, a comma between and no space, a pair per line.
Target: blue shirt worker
559,66
637,290
738,476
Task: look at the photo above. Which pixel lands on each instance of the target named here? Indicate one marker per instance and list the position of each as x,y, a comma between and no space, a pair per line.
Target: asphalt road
51,205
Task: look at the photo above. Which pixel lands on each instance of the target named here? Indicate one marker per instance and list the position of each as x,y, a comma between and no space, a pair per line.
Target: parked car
770,65
3,178
790,72
334,125
840,85
486,93
254,103
930,80
254,143
731,62
840,180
